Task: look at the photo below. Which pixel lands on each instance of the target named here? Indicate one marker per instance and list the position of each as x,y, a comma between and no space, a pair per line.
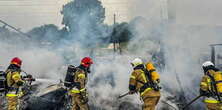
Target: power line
27,0
29,12
45,15
29,5
12,27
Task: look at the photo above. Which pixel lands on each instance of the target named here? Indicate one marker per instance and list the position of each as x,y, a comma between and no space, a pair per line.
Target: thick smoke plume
176,50
185,46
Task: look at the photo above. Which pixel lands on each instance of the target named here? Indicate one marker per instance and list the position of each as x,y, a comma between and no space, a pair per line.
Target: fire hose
125,94
192,101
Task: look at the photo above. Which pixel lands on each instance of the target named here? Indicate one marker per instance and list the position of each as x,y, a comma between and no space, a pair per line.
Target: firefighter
211,86
14,82
78,92
144,80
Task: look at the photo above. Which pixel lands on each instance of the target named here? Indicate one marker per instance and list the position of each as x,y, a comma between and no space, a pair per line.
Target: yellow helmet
136,62
149,66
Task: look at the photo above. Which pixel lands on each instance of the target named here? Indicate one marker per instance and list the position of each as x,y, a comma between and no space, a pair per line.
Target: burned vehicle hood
50,98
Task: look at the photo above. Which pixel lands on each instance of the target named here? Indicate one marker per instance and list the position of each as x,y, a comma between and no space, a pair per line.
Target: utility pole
116,38
114,33
164,9
119,48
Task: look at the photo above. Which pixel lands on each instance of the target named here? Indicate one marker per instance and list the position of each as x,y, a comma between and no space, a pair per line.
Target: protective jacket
14,81
79,93
139,82
138,79
80,78
211,84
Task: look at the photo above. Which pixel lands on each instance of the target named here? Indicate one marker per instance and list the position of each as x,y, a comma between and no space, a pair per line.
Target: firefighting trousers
78,102
150,103
12,101
214,106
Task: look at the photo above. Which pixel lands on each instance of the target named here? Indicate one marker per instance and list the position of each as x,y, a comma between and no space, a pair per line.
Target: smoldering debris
176,50
57,99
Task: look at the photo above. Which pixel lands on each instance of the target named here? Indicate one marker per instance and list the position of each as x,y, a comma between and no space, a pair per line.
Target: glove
132,92
20,83
32,79
157,81
29,76
156,86
205,93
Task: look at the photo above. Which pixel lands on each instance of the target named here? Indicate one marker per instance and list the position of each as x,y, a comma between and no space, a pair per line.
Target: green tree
46,33
84,20
121,33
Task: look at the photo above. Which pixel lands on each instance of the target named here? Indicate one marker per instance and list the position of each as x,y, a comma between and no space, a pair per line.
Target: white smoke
39,62
185,46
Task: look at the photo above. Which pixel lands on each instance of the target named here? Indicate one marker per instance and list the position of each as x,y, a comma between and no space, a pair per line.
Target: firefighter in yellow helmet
144,80
211,86
79,93
14,82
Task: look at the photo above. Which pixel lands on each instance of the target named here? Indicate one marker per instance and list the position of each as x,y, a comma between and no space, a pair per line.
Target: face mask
88,70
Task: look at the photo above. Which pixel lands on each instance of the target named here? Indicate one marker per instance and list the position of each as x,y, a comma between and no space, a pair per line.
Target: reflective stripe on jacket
211,100
13,77
81,78
206,84
138,79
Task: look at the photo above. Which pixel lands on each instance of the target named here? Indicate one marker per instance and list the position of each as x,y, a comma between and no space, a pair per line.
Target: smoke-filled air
177,50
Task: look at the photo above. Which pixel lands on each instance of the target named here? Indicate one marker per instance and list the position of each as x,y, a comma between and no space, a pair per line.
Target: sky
205,12
26,14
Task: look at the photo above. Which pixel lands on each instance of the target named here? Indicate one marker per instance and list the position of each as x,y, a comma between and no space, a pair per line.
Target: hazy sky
205,12
26,14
